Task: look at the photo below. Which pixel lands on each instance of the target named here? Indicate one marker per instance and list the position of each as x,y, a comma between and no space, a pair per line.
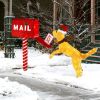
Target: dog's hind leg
76,61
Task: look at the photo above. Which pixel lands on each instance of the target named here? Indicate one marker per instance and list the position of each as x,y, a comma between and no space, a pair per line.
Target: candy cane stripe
25,53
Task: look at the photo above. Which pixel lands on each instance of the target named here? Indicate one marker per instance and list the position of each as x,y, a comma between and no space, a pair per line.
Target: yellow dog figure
66,49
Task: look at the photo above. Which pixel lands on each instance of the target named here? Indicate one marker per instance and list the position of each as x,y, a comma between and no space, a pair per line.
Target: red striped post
25,53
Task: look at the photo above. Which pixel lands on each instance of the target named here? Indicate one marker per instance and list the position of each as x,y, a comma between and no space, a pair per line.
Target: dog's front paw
51,56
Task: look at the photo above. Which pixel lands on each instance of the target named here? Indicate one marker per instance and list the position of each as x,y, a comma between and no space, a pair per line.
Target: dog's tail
92,51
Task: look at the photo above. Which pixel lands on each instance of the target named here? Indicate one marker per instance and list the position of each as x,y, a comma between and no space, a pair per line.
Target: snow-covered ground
58,69
15,91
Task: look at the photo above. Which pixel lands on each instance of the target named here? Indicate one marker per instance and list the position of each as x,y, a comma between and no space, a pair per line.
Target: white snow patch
15,91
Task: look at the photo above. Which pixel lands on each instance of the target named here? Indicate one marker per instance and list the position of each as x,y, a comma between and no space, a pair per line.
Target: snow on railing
84,31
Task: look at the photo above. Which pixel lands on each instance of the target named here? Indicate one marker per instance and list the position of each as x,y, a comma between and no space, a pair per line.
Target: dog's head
58,35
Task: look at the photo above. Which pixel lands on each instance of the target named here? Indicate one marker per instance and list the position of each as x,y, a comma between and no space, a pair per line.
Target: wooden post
10,10
54,14
92,20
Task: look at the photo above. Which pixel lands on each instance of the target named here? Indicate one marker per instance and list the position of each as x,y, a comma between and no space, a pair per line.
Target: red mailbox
25,28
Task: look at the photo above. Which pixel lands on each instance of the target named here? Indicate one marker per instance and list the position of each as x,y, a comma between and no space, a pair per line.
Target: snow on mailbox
25,28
